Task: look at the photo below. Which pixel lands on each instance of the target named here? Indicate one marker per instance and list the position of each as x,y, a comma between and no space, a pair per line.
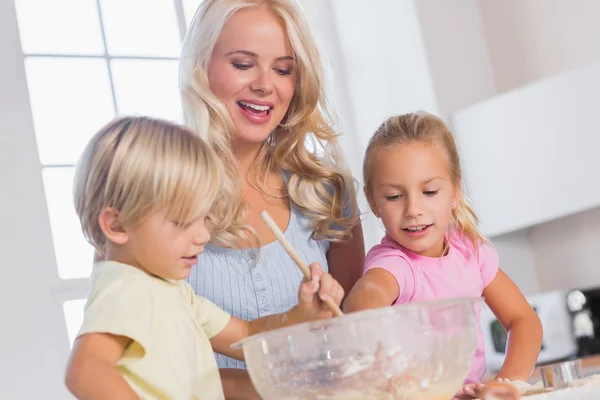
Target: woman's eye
430,192
241,66
283,71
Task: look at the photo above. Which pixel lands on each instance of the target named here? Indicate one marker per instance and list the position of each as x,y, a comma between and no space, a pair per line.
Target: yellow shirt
170,356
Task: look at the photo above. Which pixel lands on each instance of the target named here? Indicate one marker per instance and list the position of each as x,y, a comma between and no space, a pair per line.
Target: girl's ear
111,227
372,205
457,194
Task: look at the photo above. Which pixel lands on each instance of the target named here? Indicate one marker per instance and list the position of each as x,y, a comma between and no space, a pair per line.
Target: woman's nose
262,83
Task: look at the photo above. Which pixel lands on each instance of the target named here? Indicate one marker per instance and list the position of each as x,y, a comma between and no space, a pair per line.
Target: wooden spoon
296,257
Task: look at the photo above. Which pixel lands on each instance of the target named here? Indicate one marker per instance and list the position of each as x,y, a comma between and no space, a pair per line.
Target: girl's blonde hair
320,184
139,165
423,127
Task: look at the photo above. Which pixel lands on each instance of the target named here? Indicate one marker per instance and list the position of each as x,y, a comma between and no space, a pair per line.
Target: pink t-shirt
460,273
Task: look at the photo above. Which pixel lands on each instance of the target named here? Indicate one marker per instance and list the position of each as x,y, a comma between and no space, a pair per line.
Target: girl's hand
312,294
500,391
469,391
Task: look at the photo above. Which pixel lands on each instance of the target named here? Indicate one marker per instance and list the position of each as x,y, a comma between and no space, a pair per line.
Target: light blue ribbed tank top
230,279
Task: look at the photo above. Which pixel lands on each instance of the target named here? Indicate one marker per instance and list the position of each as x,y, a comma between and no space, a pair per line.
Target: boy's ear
112,229
372,205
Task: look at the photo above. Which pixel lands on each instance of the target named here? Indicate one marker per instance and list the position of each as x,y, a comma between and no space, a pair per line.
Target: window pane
59,26
189,9
73,310
147,87
70,100
141,27
74,255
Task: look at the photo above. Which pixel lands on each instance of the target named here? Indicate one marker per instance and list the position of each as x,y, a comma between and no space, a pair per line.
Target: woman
251,81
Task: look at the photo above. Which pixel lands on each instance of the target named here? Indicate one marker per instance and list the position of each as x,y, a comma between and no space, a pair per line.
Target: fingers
329,287
469,391
308,289
315,271
500,391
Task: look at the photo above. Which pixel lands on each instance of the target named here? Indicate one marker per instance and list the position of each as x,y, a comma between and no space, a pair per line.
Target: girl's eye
241,66
392,198
430,192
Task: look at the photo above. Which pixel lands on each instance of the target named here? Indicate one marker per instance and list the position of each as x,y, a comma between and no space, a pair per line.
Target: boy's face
163,248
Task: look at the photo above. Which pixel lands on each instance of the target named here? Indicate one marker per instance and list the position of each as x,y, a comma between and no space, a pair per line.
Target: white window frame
34,348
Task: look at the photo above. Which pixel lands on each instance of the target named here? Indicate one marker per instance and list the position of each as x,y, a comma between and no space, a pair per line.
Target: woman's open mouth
259,113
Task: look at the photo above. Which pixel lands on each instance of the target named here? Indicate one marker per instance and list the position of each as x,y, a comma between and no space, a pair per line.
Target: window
84,66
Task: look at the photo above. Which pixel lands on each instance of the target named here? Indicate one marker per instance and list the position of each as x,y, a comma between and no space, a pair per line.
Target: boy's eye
430,192
181,225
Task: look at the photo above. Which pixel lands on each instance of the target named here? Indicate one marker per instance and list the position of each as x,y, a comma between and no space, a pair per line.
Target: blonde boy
143,191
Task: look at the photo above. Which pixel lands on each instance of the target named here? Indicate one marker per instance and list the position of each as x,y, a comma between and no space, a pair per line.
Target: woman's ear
111,227
372,205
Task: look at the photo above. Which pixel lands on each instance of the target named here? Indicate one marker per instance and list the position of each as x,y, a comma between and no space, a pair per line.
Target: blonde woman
251,82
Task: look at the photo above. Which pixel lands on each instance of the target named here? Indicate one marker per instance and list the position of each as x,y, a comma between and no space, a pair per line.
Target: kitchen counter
591,366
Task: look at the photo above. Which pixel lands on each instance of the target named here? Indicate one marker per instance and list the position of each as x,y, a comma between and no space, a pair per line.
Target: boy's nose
201,235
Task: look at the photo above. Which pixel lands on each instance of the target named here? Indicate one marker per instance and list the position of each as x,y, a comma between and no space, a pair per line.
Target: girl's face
413,194
252,70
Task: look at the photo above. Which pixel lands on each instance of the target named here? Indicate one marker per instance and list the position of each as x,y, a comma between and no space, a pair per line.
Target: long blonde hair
423,127
138,165
320,184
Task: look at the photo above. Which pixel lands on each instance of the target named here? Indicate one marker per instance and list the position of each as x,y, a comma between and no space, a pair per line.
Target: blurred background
517,80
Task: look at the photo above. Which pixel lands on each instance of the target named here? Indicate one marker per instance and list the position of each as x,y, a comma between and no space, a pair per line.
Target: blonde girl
432,248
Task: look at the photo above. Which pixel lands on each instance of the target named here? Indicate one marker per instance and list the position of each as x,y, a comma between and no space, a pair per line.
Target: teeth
255,106
416,228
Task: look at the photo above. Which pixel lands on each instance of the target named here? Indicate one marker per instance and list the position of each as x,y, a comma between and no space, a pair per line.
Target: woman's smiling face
252,70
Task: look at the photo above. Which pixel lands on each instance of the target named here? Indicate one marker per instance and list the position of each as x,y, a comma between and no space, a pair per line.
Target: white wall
463,74
531,40
31,349
371,79
403,56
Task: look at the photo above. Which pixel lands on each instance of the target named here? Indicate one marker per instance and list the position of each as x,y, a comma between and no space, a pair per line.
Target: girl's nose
413,206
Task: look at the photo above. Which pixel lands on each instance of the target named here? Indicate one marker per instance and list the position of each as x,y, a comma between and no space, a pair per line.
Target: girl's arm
377,288
346,259
522,324
309,307
92,373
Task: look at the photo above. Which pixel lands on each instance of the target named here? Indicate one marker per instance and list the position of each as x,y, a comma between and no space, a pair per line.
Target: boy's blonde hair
423,127
320,183
139,165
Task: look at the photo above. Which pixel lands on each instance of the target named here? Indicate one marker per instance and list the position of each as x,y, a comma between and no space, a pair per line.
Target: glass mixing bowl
414,351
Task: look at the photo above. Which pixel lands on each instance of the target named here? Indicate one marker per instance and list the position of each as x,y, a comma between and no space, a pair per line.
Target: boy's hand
312,293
